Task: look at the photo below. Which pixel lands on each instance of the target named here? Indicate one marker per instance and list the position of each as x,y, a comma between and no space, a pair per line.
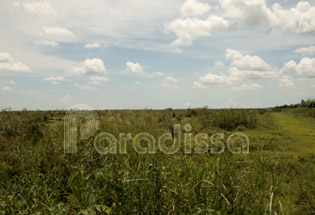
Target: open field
276,177
157,107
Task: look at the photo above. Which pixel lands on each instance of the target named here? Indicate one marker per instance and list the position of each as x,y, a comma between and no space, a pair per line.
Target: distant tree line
309,103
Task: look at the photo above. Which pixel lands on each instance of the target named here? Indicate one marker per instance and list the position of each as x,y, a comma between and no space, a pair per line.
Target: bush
230,119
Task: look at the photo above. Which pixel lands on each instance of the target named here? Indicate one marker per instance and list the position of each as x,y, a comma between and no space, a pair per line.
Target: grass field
276,177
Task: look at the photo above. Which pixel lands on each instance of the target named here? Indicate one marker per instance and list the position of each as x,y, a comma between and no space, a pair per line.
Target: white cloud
92,45
90,67
97,80
299,19
235,14
242,68
212,79
86,87
34,7
306,67
9,64
286,82
136,83
57,31
171,79
250,87
54,80
46,43
194,8
306,50
251,67
158,73
6,89
66,99
219,64
134,68
189,29
12,82
289,67
197,85
170,82
253,13
232,55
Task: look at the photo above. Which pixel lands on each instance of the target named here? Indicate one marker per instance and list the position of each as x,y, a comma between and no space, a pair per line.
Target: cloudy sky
121,54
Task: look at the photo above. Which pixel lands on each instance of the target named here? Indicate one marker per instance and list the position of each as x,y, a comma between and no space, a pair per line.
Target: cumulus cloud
286,82
190,28
251,67
57,31
134,68
34,7
6,89
306,50
97,80
253,13
90,67
86,87
299,19
219,64
170,79
9,64
197,85
242,68
305,69
194,8
12,82
54,80
234,14
250,87
170,82
289,67
92,45
158,73
46,43
213,79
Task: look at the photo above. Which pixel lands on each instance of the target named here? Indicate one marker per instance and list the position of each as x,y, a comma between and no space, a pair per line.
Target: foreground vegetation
276,177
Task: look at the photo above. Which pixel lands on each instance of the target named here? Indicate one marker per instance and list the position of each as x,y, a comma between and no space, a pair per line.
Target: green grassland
276,177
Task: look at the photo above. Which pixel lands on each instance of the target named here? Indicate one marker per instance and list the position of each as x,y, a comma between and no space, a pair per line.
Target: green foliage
230,119
309,103
36,177
306,112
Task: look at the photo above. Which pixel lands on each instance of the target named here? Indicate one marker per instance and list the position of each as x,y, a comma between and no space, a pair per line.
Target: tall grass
305,112
230,119
36,177
42,180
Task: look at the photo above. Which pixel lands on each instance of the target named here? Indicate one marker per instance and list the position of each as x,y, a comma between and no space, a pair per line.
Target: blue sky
156,53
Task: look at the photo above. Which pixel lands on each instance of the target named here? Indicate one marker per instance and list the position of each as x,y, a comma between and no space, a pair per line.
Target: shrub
230,119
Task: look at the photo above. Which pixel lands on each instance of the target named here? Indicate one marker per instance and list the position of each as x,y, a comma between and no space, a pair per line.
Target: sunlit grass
36,177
